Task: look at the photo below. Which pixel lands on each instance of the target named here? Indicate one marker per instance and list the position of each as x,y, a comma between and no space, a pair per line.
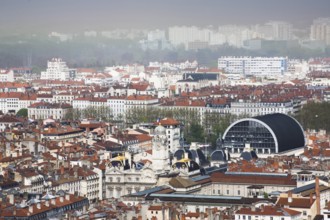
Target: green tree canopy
315,115
23,112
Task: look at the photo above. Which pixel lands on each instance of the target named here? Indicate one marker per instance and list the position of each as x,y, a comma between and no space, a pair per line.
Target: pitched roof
300,202
179,182
253,179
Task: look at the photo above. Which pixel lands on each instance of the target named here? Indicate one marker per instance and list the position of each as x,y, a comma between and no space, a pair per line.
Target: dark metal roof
218,155
249,155
202,199
287,130
303,188
202,76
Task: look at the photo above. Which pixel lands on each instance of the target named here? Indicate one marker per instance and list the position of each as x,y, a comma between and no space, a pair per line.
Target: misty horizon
81,15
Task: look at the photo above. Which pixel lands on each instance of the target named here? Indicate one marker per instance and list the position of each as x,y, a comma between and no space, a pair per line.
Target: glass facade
250,132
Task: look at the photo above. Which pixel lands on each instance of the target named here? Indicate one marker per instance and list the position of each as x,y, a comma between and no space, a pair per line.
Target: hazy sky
77,15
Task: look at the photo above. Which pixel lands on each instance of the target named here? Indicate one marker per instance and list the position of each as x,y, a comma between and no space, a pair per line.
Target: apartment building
44,110
254,66
56,69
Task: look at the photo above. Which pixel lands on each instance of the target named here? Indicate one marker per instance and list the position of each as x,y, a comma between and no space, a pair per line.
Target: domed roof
160,130
249,155
219,155
187,163
179,154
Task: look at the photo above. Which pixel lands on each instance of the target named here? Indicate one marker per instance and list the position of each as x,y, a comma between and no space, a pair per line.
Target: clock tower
160,151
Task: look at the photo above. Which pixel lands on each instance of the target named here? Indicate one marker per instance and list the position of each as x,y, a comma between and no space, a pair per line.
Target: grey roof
218,155
303,188
148,191
207,199
202,76
198,178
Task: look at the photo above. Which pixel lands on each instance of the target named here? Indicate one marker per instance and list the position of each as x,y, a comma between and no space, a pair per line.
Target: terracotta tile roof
141,97
300,202
25,212
167,122
48,105
155,208
143,137
268,211
9,119
253,179
86,70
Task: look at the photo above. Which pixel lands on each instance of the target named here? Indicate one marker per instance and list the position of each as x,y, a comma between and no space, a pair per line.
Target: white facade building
6,76
12,102
44,110
56,69
281,30
117,106
255,66
261,108
184,35
320,30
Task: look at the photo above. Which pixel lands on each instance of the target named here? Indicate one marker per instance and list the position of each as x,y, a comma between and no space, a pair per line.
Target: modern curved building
267,134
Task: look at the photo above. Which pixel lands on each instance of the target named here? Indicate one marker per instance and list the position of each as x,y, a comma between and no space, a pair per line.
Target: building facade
56,69
254,66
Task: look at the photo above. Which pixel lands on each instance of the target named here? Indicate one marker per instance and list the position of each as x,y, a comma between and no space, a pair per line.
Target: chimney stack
31,208
311,200
290,197
317,191
183,216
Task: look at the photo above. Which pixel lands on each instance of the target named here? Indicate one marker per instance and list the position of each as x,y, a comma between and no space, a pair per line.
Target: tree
315,115
196,133
23,112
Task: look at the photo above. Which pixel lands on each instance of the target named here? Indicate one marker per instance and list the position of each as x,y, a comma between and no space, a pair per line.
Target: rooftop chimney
290,197
31,208
317,191
311,200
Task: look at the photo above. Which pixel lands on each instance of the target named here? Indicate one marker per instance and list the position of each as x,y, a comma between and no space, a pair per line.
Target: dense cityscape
227,122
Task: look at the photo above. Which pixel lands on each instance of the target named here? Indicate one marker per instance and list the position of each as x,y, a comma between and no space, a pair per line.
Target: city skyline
36,15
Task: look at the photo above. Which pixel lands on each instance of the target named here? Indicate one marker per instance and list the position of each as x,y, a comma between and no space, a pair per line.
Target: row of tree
103,113
315,115
197,127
